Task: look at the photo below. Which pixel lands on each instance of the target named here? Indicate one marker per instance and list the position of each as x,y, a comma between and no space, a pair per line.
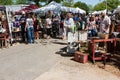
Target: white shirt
29,22
69,23
104,25
91,25
48,23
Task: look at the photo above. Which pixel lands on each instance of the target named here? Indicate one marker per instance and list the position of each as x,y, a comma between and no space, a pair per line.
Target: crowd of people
53,26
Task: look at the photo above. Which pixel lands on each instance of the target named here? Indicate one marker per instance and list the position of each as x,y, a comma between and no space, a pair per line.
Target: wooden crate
81,57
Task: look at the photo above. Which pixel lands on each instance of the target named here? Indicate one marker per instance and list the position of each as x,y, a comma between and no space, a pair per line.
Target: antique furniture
98,54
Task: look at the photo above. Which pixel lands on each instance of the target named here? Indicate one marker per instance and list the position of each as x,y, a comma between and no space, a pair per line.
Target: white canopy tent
15,8
67,9
46,8
51,6
56,7
99,12
78,10
117,10
95,12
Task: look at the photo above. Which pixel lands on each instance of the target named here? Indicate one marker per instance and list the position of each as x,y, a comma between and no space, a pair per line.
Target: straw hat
23,12
103,13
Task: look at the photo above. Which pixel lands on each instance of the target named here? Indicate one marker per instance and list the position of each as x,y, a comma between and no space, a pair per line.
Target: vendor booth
27,9
53,6
4,29
57,8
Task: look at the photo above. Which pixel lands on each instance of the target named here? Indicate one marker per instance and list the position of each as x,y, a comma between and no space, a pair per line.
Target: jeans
30,32
23,32
92,33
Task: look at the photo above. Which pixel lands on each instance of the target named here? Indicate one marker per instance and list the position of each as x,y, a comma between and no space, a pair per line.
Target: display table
93,44
16,35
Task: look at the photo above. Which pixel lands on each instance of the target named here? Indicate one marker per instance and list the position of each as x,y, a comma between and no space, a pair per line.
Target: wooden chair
3,40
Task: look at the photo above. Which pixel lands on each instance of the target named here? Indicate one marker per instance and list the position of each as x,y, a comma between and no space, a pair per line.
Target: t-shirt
16,23
76,18
49,23
104,24
23,20
29,22
91,25
69,22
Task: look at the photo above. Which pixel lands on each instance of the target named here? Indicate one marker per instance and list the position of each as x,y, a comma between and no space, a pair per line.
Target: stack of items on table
4,31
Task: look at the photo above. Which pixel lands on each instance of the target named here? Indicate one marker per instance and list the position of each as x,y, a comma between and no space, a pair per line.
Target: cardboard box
103,36
81,57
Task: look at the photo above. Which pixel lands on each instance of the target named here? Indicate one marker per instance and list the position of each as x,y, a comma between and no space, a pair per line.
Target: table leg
104,60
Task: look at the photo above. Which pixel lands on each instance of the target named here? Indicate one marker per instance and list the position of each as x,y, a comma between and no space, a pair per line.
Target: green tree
37,2
68,3
82,6
21,1
58,1
111,4
100,6
90,8
6,2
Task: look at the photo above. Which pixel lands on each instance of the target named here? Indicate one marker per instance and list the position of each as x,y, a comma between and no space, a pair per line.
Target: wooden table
16,34
93,47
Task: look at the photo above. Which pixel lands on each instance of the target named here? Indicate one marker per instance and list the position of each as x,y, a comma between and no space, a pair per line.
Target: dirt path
39,62
67,69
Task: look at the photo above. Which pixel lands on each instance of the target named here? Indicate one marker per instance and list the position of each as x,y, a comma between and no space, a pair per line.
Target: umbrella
27,9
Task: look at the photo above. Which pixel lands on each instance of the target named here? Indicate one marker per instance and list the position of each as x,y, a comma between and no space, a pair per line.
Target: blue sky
92,2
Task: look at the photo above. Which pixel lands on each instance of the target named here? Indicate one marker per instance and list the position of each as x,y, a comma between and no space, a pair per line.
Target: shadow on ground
63,52
58,42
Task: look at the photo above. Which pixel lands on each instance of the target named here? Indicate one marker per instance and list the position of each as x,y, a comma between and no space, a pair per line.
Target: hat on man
103,13
23,12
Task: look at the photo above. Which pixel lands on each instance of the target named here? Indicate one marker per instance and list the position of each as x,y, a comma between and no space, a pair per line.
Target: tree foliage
6,2
68,3
111,4
58,1
90,7
82,6
37,2
21,1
